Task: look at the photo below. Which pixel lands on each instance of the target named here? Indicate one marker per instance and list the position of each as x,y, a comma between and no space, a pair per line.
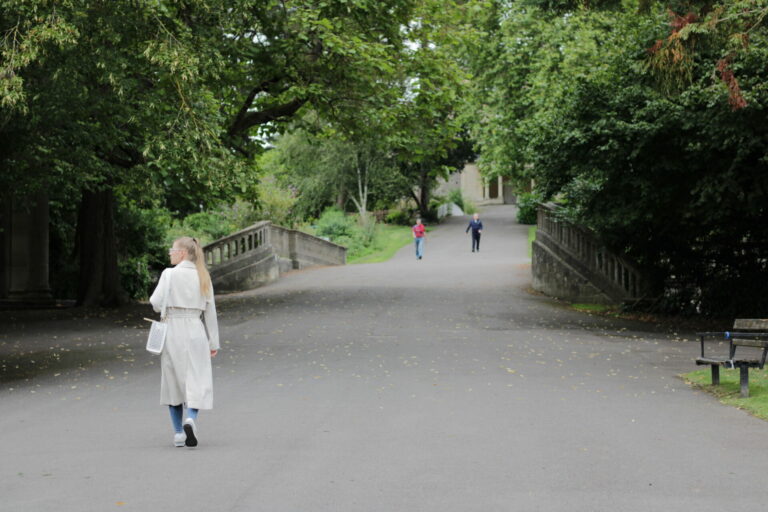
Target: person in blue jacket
476,225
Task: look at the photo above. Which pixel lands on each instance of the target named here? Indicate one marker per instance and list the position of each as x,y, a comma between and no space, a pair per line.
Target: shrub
367,227
399,217
334,224
469,207
205,226
356,235
276,203
455,196
528,205
135,276
239,215
142,247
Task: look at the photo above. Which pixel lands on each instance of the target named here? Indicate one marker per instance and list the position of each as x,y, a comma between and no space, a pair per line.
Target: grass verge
389,239
602,309
728,390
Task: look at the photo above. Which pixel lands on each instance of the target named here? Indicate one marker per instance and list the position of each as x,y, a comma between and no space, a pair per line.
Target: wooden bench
747,333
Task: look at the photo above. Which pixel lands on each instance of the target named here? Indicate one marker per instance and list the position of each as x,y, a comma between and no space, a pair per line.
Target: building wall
475,188
444,187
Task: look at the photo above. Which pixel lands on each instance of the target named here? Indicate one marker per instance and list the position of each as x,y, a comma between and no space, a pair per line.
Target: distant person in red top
418,237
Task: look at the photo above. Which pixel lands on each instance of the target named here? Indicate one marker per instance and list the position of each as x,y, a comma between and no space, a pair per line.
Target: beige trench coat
187,375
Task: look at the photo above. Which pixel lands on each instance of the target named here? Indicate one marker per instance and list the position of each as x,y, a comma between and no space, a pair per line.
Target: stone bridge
258,255
569,262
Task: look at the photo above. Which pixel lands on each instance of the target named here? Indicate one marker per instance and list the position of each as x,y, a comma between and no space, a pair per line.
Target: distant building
476,188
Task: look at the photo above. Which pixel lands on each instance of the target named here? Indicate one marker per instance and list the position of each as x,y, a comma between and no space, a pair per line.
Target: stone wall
557,275
570,263
300,250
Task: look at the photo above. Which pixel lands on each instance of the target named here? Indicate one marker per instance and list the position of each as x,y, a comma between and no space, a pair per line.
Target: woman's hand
213,353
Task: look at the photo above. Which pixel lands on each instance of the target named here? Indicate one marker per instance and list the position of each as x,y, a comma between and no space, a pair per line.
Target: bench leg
715,374
744,381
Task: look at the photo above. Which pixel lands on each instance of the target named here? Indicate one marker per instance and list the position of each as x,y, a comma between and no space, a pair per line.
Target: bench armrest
717,334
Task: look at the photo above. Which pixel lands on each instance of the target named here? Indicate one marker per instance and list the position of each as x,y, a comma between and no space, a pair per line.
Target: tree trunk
424,186
341,198
96,246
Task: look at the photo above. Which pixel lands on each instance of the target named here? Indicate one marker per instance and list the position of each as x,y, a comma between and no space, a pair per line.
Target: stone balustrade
258,255
242,243
570,262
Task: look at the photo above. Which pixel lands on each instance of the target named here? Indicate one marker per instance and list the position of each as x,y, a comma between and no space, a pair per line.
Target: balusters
236,245
586,249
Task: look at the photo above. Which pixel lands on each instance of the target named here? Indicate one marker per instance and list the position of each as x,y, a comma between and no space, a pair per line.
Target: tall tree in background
428,134
401,141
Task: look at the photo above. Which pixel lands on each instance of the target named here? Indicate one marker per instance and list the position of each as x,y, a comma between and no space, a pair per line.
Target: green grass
389,239
728,390
531,238
594,308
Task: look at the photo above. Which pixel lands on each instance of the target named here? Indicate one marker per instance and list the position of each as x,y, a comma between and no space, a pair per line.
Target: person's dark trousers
475,242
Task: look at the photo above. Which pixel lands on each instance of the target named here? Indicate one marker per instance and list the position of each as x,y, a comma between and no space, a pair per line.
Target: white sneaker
179,439
190,429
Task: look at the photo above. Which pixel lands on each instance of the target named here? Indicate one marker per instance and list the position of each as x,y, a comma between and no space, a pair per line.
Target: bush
142,247
205,226
276,203
334,224
136,277
455,196
528,206
399,217
214,224
469,207
340,228
367,227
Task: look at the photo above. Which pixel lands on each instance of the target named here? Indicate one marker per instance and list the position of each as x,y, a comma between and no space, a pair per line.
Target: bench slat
713,360
751,324
743,342
727,363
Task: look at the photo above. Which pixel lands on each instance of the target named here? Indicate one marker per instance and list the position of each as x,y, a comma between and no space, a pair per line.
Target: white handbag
158,330
156,338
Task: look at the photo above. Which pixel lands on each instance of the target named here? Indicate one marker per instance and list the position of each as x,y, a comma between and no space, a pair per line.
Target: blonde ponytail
196,255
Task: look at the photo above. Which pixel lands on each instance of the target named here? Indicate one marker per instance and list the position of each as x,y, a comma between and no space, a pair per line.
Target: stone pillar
26,252
292,249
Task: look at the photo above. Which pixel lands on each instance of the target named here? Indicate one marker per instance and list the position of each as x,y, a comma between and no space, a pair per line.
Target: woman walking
187,377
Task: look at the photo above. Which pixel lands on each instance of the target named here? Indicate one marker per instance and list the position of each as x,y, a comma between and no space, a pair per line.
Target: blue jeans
419,247
177,412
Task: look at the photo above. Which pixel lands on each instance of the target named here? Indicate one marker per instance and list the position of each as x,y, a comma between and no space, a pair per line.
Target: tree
153,96
428,134
326,168
676,179
92,105
417,125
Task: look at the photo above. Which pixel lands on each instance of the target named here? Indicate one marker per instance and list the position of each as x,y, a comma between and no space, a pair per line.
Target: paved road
433,385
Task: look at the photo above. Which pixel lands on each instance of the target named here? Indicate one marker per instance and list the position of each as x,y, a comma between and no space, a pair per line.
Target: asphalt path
443,384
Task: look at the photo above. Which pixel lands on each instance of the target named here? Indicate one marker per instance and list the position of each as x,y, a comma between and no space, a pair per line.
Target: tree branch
131,159
250,119
262,87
